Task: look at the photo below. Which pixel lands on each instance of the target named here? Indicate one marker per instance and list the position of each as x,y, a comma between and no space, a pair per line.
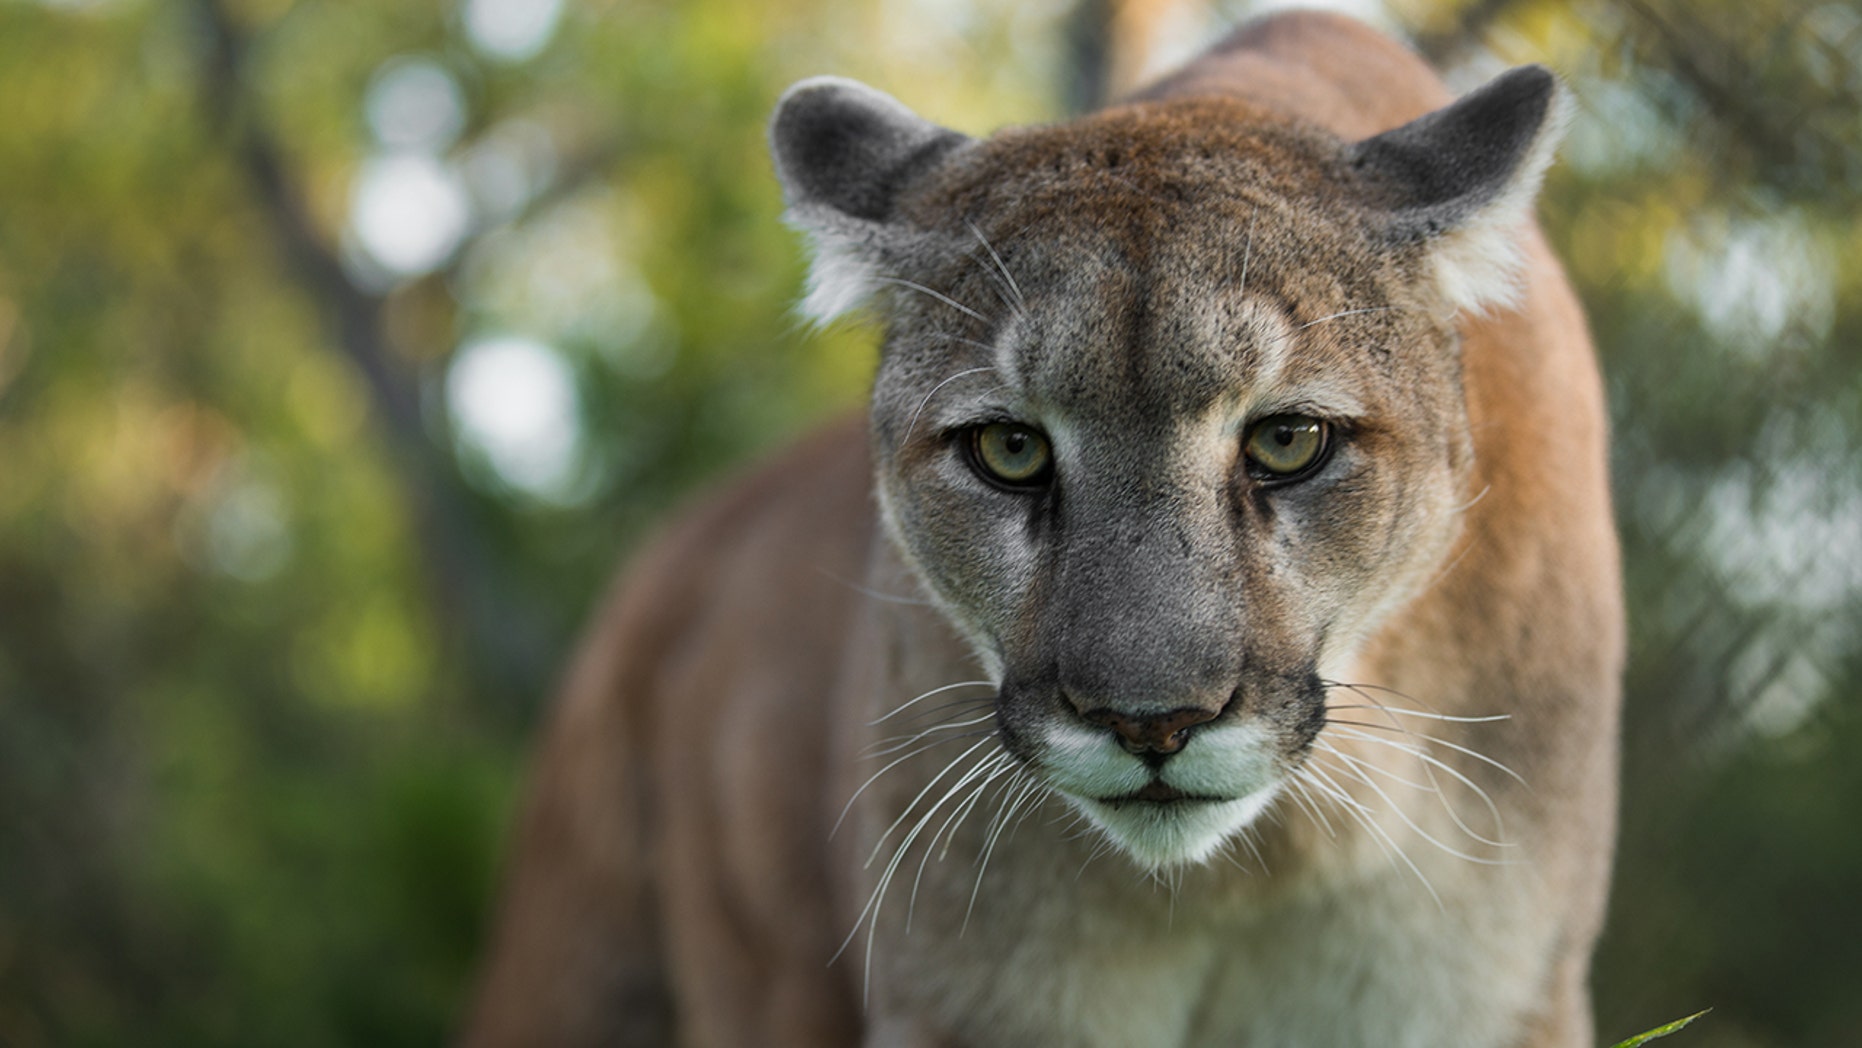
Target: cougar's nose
1161,734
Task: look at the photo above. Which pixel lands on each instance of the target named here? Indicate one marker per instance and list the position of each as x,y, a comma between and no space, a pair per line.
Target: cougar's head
1169,414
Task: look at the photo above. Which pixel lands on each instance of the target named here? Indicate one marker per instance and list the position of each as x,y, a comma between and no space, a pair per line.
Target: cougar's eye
1283,447
1011,454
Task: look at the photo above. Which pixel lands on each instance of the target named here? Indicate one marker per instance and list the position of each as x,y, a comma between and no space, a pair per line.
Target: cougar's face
1165,444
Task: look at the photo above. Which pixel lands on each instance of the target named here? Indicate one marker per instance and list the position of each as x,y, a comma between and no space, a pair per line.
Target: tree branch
469,597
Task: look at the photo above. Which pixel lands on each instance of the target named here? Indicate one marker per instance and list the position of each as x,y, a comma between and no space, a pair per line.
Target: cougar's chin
1159,834
1179,813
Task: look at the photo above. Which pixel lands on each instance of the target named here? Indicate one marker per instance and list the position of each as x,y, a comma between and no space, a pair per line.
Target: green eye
1281,447
1011,453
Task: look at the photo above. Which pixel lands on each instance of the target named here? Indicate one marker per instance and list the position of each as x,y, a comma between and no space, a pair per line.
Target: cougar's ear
844,152
1463,179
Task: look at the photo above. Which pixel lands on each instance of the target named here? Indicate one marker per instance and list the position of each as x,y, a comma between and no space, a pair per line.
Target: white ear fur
840,278
1480,265
844,152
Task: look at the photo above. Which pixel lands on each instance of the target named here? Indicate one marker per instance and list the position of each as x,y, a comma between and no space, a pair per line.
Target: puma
1212,636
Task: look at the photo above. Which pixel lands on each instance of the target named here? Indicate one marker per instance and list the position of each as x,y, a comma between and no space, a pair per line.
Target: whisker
1429,761
955,707
1362,689
983,713
877,900
890,598
1246,837
1362,814
1301,797
1492,719
961,340
1247,252
1020,303
889,766
1475,501
906,814
1359,689
1353,766
1002,764
1007,764
1332,316
934,691
910,739
1379,769
1447,569
1028,784
913,424
1104,846
1476,754
1345,313
938,295
1329,787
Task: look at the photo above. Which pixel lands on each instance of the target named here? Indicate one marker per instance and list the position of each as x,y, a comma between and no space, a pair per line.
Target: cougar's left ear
844,152
1463,179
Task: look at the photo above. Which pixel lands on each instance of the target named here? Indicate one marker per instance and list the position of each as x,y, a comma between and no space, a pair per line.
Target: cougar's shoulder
1319,67
683,761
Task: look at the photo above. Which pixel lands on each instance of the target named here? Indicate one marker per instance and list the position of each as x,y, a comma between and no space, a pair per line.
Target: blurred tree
345,346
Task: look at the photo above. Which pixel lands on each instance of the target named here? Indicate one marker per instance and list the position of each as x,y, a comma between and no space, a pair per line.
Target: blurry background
347,345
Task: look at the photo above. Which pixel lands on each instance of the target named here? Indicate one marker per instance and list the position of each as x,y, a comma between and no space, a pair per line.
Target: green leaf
1661,1031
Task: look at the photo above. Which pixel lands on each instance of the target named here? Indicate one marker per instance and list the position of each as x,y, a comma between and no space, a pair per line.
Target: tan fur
674,879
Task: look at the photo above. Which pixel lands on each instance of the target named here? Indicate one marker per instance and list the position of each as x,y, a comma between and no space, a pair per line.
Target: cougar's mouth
1158,792
1179,815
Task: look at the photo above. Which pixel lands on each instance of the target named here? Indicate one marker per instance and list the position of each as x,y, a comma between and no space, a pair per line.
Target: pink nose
1141,733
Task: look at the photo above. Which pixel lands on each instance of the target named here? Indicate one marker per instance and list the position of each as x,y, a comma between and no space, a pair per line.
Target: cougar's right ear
844,152
1462,180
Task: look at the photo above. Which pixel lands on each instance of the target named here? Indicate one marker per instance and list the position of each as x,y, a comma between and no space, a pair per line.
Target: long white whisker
1303,798
1447,569
1247,251
1361,691
1363,816
921,796
1352,767
1477,755
913,424
960,340
870,914
1475,501
1429,772
1345,313
1002,763
1329,787
1321,744
896,710
938,295
1104,847
952,708
1027,785
902,742
1429,762
890,598
845,808
1381,708
1020,303
1007,763
1246,837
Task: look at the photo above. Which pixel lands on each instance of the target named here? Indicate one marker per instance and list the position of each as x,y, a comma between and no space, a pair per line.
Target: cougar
1211,635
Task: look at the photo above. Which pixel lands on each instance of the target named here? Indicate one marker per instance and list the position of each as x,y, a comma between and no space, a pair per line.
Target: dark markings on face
1150,570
